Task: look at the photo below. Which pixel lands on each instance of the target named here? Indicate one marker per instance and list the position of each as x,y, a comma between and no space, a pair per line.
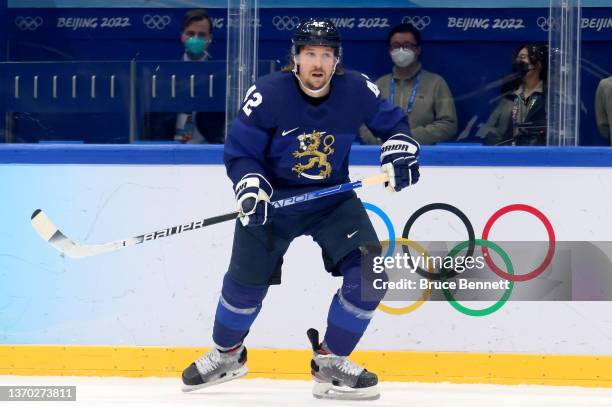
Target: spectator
196,35
603,108
191,127
520,116
423,95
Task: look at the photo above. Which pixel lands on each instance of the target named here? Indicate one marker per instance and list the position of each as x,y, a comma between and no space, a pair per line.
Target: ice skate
336,377
215,367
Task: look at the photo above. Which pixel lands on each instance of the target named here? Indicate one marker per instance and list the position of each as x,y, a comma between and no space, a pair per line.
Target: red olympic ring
551,242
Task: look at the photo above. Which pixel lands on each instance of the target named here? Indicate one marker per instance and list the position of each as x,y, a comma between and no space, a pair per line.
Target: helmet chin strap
315,91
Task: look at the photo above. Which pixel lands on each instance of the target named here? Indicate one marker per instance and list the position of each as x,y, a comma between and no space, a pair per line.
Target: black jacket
501,128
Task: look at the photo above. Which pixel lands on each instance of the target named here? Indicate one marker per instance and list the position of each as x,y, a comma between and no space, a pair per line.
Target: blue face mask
196,45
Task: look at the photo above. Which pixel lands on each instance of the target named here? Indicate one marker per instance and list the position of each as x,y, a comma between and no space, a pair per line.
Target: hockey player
293,135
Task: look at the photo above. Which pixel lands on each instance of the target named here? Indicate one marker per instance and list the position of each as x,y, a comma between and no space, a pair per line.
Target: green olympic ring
485,311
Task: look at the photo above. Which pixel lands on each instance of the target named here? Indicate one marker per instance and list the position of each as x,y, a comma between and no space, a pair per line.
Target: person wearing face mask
189,127
520,116
196,35
423,95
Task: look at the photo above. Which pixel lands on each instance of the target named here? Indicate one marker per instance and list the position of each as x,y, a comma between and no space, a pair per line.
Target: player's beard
319,82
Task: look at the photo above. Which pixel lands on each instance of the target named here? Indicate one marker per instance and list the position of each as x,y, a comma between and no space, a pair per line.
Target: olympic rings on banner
28,23
551,242
419,22
444,207
388,224
288,23
485,311
548,23
156,21
424,296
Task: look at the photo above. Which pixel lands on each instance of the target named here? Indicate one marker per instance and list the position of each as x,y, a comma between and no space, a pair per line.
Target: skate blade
229,376
331,392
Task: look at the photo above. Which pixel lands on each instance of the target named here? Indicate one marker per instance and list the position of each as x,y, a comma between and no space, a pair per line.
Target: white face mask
402,57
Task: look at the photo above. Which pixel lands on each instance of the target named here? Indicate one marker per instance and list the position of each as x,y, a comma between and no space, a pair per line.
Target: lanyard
417,82
521,107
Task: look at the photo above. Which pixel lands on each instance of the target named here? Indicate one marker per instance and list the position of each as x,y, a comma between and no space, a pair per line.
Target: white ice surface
128,392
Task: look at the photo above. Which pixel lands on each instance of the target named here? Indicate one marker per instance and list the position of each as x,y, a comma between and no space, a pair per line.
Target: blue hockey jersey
300,147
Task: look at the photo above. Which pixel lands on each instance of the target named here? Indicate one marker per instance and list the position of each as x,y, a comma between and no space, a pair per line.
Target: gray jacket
603,108
433,117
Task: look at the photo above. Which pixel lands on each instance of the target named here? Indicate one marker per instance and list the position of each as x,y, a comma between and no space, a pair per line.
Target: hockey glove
398,158
253,193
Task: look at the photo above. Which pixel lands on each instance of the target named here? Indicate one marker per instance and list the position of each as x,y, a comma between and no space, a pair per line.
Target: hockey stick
50,233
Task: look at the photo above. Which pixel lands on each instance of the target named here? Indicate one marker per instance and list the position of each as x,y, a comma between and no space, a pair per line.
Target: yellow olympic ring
424,296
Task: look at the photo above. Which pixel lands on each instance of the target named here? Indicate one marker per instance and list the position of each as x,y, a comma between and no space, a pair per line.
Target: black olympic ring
444,207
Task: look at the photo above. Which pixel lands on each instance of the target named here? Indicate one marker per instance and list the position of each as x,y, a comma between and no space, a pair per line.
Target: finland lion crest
310,145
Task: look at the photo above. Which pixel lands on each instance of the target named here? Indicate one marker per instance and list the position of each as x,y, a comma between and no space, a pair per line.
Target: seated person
423,95
603,108
520,116
191,127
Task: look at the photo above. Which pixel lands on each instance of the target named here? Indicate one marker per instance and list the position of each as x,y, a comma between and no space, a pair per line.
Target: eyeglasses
406,46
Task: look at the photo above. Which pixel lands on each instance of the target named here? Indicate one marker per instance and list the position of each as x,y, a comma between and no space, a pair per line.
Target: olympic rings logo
419,22
470,245
155,21
288,23
28,23
547,24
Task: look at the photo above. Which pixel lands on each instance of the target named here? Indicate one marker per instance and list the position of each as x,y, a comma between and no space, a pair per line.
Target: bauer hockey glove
398,158
253,193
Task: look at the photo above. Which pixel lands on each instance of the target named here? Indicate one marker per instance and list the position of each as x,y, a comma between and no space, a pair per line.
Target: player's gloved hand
399,159
253,193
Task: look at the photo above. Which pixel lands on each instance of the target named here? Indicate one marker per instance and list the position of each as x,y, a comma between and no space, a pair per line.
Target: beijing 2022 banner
438,24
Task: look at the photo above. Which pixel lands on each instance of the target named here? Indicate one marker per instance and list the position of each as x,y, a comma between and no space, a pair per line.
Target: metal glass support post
133,118
563,101
242,41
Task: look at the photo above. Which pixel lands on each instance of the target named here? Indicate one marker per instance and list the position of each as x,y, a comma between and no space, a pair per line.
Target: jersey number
252,99
371,85
373,88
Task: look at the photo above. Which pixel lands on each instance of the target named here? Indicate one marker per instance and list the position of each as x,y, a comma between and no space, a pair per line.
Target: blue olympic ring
385,218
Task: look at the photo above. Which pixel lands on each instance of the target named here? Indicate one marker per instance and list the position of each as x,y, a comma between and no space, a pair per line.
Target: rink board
158,299
454,367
